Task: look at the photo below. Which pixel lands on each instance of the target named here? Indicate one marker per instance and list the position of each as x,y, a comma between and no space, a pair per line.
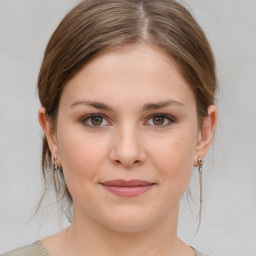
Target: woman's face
127,138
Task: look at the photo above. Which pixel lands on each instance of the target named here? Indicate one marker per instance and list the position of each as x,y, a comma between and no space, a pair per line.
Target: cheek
81,157
174,150
173,158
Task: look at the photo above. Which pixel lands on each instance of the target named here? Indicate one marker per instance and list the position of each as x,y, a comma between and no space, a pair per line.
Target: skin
128,143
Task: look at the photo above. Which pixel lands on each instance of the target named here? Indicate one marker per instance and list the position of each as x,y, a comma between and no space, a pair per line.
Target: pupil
96,120
158,120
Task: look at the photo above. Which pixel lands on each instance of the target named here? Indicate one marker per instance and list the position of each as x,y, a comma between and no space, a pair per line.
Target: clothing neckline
39,243
41,246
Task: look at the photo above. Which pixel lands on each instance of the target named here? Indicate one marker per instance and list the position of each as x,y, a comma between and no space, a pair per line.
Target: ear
206,133
51,137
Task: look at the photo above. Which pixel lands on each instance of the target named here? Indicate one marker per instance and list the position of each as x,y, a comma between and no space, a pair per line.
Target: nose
127,148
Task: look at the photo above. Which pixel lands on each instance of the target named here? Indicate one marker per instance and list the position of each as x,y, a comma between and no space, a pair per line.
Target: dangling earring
55,164
200,165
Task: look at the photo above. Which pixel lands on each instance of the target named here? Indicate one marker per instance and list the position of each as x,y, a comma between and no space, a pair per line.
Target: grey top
37,249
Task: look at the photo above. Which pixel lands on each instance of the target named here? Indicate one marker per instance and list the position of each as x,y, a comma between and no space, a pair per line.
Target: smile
127,188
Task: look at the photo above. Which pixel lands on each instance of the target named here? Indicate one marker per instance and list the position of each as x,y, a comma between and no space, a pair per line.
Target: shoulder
35,249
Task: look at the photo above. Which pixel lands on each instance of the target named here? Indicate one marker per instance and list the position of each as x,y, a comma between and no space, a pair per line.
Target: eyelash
85,119
89,117
165,116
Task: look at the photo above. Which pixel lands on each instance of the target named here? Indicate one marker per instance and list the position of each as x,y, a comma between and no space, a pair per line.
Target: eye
95,120
160,120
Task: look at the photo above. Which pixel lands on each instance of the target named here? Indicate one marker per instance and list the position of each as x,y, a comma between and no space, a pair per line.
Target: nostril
132,163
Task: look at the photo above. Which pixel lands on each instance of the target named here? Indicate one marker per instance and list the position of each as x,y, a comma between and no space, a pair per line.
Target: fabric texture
37,249
199,253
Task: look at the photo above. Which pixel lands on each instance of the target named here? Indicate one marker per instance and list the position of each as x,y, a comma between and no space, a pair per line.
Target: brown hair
93,27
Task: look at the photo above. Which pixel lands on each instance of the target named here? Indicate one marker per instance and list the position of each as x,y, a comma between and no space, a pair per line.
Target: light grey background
229,210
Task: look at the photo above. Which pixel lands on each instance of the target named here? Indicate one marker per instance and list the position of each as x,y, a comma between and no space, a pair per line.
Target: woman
127,92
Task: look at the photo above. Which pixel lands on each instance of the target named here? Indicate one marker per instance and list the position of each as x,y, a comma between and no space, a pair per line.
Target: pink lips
127,188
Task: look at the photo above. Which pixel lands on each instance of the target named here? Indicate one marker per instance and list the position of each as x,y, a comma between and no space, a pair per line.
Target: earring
55,164
200,169
200,165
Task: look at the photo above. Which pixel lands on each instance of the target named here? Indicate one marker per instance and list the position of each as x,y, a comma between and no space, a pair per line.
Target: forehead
134,73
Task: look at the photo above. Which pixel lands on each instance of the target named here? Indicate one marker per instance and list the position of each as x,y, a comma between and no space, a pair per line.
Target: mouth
127,188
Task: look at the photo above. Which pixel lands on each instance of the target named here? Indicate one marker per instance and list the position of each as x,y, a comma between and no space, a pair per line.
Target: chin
129,220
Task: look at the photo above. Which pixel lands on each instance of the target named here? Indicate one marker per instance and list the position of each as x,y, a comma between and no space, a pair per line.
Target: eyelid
84,118
170,119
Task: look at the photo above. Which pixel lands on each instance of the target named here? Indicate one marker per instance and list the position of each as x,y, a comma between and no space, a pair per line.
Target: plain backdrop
228,225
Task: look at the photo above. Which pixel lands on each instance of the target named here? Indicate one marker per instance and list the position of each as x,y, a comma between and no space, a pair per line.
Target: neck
88,236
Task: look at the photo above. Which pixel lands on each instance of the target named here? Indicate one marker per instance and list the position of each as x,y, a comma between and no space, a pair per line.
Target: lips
127,188
127,183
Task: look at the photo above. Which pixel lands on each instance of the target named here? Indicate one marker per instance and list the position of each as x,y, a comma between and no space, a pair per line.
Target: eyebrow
160,105
95,104
146,107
